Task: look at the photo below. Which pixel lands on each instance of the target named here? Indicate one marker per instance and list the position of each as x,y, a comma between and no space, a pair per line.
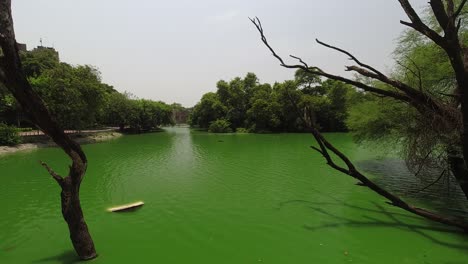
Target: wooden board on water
126,207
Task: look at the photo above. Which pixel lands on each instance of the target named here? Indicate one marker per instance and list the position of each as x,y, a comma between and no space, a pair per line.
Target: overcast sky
177,50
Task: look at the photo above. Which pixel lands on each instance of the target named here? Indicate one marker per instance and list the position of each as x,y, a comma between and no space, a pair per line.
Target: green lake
232,198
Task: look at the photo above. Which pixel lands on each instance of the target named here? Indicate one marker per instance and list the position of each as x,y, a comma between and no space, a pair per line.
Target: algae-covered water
214,199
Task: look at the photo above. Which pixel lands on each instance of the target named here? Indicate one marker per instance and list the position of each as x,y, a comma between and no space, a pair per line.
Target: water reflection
392,174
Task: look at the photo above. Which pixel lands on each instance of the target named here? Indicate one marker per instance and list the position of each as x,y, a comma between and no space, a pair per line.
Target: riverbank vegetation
245,104
78,99
421,105
9,135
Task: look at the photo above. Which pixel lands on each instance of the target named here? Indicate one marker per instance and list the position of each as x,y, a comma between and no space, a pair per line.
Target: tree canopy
245,103
78,98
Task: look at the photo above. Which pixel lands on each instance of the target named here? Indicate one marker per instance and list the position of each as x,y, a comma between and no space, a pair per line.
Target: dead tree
14,79
450,116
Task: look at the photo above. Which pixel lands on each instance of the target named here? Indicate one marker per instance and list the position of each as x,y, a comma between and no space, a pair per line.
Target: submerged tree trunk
73,215
13,77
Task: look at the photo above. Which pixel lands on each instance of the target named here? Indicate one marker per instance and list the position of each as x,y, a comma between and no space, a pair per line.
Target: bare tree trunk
13,77
73,215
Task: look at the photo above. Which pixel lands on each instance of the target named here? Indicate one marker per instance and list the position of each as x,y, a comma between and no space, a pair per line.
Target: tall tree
207,110
13,77
444,116
74,95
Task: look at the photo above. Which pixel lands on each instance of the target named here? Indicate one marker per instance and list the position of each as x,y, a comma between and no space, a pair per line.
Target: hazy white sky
177,50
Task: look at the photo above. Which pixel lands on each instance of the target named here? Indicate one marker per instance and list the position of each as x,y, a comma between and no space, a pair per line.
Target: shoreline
44,142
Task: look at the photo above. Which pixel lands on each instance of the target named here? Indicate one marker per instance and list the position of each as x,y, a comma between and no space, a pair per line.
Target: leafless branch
440,13
301,61
319,72
351,56
54,175
432,183
325,146
417,24
459,9
406,94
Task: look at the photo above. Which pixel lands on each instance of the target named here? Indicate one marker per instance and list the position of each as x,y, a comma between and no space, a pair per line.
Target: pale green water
214,199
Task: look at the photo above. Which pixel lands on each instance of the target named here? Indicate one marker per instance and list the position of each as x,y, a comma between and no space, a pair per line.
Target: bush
24,129
9,135
220,126
242,130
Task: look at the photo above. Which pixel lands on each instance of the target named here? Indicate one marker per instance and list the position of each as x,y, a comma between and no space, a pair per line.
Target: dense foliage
78,99
9,135
138,114
220,126
247,105
180,114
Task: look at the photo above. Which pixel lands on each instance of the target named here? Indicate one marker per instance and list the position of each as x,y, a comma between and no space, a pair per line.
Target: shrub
24,129
220,126
242,130
9,135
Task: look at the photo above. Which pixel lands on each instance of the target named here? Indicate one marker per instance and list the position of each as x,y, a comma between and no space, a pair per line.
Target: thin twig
54,175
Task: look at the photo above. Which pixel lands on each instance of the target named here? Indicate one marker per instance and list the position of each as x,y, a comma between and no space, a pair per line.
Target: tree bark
459,170
73,215
12,76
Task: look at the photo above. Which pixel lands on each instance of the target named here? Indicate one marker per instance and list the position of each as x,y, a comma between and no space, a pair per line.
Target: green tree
74,95
339,95
9,135
220,126
247,103
153,114
207,110
119,110
38,60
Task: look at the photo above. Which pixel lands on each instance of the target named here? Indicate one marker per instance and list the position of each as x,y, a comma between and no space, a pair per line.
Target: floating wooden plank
126,207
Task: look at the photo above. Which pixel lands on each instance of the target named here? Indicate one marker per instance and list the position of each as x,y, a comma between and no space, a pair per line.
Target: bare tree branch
351,57
439,11
432,183
301,61
394,200
459,9
319,72
54,175
417,24
407,94
325,146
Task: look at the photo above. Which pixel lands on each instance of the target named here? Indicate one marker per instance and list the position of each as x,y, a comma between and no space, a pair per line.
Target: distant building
44,48
22,47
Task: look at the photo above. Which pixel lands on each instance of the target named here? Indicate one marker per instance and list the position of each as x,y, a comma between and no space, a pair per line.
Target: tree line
246,105
78,99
